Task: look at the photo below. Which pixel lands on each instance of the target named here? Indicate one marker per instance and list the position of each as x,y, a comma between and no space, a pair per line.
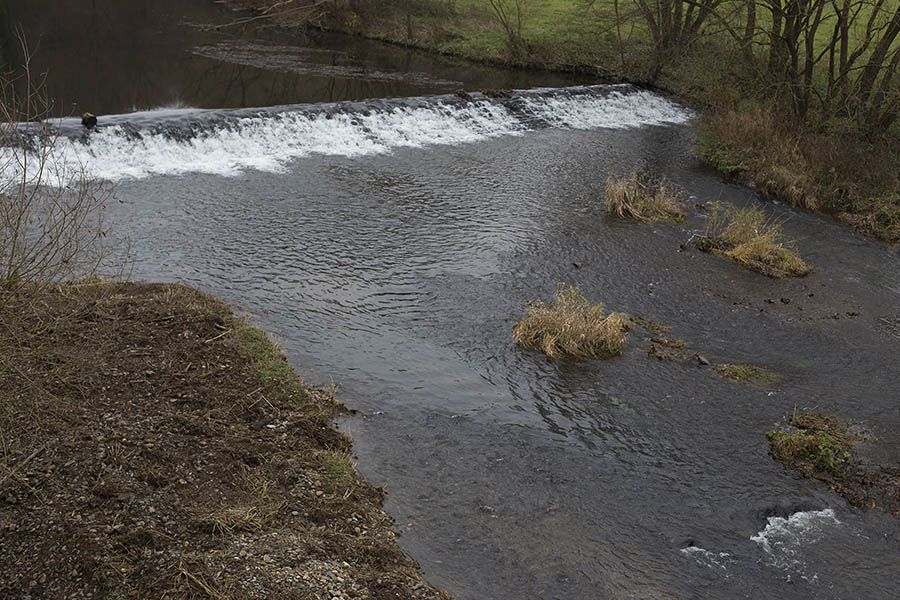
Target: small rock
89,120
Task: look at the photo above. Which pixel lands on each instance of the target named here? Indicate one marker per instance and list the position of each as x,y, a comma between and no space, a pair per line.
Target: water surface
391,246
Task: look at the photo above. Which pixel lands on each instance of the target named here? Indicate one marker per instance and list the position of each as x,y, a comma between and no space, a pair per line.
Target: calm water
391,246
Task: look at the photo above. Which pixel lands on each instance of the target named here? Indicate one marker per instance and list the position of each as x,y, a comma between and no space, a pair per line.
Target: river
391,245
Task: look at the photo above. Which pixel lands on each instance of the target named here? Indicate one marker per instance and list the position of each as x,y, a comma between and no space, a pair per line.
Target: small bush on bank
748,237
636,198
572,327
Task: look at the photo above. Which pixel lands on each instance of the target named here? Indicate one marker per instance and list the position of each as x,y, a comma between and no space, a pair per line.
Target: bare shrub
636,198
572,327
51,220
510,15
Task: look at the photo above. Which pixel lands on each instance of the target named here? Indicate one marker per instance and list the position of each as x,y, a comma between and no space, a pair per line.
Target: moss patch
651,325
824,447
747,374
572,327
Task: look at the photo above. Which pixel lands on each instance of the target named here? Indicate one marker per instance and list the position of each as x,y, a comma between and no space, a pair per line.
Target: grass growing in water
572,327
636,198
748,237
814,442
747,374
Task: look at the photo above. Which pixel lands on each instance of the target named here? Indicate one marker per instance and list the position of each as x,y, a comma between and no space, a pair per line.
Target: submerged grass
572,327
747,374
750,238
642,200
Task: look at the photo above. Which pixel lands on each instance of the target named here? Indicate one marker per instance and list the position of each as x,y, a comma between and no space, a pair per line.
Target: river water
391,245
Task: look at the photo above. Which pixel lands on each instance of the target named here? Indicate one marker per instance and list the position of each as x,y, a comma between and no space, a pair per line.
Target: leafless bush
510,14
51,220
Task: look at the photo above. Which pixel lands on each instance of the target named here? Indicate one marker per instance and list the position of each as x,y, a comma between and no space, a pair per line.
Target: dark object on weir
89,120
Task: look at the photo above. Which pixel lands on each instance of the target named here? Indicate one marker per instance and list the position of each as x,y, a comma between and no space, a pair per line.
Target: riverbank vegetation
831,449
572,327
156,446
750,238
641,199
800,97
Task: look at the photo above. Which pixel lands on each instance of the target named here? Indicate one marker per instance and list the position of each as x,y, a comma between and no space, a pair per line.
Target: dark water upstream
391,246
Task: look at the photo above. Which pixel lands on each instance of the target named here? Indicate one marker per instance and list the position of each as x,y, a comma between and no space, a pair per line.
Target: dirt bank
155,446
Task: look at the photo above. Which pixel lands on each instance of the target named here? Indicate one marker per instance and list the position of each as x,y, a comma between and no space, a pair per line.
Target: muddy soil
155,446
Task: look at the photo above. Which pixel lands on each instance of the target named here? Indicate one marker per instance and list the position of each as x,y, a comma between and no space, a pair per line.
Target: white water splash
271,142
707,558
615,111
783,539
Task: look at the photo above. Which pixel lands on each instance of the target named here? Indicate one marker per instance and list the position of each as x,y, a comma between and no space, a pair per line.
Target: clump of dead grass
644,200
572,327
747,236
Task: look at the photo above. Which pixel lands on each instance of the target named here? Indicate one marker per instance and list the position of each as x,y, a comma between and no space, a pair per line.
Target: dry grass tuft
642,200
748,237
572,327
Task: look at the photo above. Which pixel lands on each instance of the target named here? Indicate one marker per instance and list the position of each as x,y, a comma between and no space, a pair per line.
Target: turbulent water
390,246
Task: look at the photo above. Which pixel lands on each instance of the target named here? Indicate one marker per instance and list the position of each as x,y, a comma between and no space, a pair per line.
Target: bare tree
510,14
674,25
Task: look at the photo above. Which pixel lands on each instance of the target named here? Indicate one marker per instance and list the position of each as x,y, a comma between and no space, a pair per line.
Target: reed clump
644,200
750,238
573,327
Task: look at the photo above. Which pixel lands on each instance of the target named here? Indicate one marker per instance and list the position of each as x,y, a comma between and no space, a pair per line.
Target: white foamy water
784,539
271,142
614,111
707,558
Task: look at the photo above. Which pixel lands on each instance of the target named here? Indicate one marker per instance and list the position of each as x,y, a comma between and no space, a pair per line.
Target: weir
226,142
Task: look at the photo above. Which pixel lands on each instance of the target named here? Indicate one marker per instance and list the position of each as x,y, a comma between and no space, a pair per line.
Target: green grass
337,466
279,383
820,449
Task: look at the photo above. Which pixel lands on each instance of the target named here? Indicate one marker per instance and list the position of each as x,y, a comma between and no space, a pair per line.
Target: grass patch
818,449
572,327
826,448
642,200
813,442
337,466
747,374
750,238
